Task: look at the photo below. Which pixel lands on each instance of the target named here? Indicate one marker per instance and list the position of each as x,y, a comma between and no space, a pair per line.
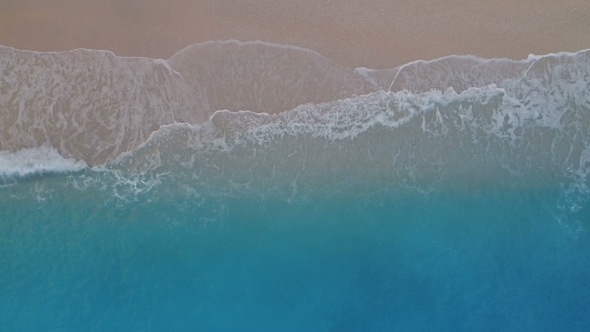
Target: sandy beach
374,34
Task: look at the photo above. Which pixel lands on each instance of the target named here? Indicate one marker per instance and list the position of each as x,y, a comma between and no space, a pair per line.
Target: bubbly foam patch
42,160
434,140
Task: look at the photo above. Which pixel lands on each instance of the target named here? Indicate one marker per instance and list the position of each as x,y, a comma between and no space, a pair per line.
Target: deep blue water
495,260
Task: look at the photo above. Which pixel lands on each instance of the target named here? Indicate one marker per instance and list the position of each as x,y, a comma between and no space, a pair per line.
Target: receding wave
89,105
233,116
264,77
477,137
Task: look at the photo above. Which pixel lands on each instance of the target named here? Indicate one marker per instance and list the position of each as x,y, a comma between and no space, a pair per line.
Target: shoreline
378,34
529,57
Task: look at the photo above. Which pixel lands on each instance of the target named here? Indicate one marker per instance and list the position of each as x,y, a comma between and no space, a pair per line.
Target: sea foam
36,161
219,114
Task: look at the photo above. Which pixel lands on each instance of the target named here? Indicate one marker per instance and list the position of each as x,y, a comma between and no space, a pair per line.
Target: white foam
90,105
42,160
97,107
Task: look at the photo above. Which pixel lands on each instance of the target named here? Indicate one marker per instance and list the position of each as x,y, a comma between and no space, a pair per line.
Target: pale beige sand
370,33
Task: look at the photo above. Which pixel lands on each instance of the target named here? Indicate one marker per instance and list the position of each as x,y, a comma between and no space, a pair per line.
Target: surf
263,185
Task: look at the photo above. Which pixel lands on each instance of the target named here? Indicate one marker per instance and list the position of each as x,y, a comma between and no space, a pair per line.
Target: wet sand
375,34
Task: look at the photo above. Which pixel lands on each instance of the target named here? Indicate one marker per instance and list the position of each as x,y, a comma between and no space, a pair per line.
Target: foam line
36,161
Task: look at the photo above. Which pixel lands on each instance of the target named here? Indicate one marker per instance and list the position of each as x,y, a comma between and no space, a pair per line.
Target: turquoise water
263,187
487,261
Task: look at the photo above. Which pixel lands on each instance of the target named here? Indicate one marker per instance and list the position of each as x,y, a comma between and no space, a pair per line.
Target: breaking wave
36,161
266,118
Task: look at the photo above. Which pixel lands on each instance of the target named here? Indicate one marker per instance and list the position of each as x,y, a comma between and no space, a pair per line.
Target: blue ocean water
449,195
487,261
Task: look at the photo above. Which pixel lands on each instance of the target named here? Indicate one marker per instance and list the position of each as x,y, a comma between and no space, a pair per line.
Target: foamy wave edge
37,161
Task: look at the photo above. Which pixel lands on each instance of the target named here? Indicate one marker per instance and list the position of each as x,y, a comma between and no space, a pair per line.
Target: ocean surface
263,187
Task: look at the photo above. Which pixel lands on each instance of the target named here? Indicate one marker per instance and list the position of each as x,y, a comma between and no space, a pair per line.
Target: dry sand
370,33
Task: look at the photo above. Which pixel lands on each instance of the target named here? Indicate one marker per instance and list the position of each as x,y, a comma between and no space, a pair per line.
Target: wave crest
36,161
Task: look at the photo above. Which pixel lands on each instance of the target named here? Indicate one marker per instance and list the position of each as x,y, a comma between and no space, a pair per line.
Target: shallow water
449,195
